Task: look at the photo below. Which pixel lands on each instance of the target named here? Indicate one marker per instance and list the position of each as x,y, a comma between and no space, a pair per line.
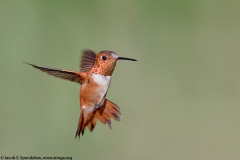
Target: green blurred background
179,101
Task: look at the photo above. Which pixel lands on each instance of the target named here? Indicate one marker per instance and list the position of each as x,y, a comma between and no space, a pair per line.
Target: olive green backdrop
179,101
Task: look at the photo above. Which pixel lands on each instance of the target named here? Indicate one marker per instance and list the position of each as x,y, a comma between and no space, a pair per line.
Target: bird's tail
107,111
81,126
103,114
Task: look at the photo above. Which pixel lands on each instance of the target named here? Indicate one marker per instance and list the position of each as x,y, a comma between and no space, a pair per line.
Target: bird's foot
97,106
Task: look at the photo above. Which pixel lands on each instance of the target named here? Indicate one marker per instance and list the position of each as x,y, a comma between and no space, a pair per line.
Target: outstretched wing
88,59
64,74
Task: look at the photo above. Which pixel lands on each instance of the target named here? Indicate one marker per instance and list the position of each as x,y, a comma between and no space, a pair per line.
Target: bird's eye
104,58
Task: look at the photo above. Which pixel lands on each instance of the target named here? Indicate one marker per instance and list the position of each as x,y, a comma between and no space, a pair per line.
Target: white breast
103,85
102,80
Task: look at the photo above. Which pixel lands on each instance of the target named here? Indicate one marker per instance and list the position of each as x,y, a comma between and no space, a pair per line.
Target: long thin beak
123,58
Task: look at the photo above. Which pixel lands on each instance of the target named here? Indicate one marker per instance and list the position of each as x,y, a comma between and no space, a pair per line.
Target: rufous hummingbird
95,77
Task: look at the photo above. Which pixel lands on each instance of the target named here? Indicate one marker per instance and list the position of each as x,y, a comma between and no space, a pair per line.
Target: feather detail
108,110
92,124
100,117
88,60
81,126
64,74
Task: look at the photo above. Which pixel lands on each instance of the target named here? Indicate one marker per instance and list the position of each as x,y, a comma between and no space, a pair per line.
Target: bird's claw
97,106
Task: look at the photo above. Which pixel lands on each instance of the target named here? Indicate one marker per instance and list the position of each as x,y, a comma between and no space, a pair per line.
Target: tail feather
81,126
112,115
100,117
104,114
91,124
107,111
113,108
108,121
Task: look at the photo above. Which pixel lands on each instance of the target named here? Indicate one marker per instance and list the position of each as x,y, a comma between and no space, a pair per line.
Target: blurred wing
88,59
64,74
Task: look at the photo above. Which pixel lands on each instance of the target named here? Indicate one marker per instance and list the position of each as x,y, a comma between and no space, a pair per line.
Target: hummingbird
95,78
